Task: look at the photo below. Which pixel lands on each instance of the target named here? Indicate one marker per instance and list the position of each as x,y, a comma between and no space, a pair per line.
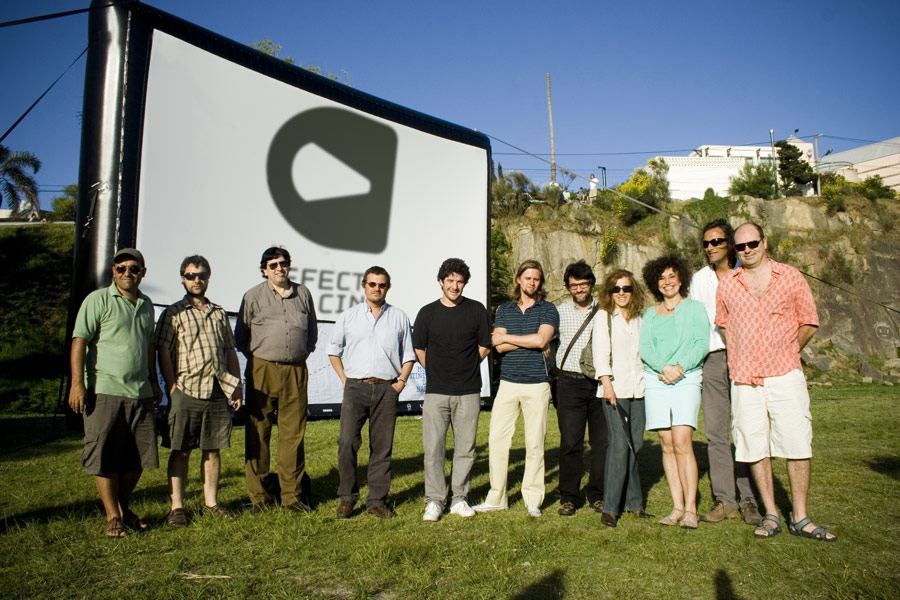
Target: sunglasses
133,269
373,285
752,245
203,275
622,288
714,243
281,263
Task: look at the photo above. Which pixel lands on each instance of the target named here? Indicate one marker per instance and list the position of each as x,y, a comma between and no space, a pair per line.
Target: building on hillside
713,166
880,158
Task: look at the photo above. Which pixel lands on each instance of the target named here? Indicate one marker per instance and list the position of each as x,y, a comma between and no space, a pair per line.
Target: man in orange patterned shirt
767,314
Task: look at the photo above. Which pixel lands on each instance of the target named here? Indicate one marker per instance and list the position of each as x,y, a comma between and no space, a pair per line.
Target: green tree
650,185
64,206
754,180
15,181
267,46
874,188
511,193
793,169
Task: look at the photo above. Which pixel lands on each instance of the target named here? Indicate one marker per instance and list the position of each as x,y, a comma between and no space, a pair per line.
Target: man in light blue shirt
371,351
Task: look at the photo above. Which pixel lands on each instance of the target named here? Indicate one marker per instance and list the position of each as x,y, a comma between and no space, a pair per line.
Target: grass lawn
51,544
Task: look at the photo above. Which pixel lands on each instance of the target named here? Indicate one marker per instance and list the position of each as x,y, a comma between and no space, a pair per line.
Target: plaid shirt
570,319
761,333
197,342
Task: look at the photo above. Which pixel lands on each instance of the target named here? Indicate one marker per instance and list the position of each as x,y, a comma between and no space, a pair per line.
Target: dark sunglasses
203,275
622,288
714,243
133,269
281,263
752,245
373,285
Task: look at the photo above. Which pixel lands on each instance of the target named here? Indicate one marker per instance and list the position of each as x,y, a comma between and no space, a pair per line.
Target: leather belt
573,374
371,380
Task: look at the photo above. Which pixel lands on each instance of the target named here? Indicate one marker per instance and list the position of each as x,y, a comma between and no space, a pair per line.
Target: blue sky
646,78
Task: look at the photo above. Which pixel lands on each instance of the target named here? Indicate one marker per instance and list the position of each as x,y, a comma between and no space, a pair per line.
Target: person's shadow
551,587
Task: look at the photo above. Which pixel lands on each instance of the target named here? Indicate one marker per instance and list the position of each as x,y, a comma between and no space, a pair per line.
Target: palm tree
14,181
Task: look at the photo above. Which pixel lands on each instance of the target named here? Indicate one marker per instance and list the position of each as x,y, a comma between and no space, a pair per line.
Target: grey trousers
377,403
440,413
715,396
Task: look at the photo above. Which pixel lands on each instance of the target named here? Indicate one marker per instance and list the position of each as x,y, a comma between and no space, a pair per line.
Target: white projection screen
239,152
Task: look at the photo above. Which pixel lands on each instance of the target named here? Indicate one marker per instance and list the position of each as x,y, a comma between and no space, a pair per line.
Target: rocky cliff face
852,261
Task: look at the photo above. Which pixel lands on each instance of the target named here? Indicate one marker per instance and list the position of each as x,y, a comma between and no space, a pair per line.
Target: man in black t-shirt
454,334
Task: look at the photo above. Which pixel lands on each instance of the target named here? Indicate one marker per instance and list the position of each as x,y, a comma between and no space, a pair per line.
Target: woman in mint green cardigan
674,342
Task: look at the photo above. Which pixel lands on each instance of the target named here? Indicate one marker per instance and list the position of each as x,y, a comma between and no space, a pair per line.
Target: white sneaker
462,509
533,511
432,511
485,507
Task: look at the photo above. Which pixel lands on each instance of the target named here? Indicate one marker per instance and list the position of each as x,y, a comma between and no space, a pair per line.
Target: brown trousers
272,386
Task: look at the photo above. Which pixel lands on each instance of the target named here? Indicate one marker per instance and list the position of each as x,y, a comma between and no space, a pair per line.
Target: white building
881,158
713,166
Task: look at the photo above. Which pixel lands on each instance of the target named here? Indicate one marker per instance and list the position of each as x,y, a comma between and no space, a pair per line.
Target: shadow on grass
724,589
33,433
550,587
886,465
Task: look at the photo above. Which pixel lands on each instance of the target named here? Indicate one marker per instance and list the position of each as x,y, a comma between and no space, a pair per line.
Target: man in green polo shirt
114,385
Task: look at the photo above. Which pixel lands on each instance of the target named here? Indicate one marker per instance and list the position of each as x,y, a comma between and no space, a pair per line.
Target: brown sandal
115,528
177,518
134,522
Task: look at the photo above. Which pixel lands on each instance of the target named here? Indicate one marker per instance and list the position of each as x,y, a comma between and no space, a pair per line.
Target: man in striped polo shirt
522,331
195,348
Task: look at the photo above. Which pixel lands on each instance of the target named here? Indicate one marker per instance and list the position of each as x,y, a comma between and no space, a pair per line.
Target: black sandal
764,530
134,522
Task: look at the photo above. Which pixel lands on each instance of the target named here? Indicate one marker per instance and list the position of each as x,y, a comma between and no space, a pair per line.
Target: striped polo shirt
525,365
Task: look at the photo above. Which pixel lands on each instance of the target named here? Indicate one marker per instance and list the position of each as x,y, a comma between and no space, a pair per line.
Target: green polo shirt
117,333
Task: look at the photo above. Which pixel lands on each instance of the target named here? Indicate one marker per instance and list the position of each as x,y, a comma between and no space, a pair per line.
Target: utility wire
41,97
47,17
686,221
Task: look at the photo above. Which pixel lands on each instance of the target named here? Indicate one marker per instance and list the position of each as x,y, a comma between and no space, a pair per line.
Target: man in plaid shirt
197,359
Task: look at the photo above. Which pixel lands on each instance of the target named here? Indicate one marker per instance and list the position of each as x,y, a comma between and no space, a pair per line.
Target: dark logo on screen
310,144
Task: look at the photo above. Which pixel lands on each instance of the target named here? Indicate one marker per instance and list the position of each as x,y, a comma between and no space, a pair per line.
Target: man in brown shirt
197,359
276,331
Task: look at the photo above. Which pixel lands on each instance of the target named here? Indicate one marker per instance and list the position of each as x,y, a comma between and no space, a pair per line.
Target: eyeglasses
281,263
203,275
622,288
579,286
752,245
714,243
133,269
373,285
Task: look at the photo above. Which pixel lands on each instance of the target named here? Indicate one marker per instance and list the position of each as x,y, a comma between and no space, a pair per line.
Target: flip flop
115,529
134,522
765,530
819,534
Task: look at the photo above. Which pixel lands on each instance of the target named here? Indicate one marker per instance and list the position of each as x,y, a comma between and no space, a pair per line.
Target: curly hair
579,270
197,261
654,269
637,302
517,289
726,228
451,266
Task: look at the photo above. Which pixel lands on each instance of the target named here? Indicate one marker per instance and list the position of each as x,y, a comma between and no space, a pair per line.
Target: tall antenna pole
552,146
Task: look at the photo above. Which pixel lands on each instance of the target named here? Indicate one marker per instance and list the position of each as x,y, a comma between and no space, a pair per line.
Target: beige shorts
772,419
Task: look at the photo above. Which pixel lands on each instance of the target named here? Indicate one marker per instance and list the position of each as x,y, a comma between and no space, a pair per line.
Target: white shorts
772,419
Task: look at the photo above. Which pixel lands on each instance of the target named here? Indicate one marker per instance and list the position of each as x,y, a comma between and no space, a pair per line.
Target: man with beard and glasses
523,329
715,393
197,360
276,331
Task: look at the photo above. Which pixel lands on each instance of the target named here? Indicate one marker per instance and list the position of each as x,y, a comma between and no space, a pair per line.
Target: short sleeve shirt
450,337
197,341
117,333
525,365
761,333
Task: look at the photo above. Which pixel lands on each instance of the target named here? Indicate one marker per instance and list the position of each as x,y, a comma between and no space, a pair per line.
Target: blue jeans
621,465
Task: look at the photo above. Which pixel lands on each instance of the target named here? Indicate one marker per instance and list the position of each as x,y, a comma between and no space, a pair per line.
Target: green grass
51,544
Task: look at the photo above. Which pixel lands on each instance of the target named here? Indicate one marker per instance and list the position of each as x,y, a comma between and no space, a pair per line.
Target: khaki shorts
195,423
119,435
772,419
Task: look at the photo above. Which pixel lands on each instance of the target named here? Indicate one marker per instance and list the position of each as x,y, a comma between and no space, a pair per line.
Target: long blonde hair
517,289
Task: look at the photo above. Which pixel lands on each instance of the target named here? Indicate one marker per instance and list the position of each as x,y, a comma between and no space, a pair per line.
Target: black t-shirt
450,338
